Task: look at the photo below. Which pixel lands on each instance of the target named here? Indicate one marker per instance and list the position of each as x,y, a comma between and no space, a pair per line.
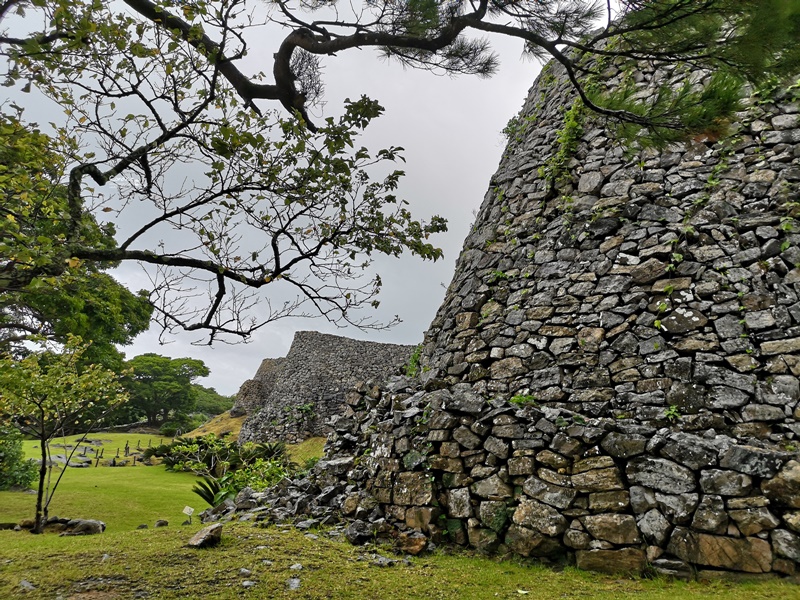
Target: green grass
111,443
220,425
121,497
155,561
305,450
124,561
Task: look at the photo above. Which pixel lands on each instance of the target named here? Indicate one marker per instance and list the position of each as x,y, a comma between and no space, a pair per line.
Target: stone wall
253,393
612,377
292,398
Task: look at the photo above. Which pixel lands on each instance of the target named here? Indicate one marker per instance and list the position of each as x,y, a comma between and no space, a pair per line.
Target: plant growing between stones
555,170
672,413
523,400
411,369
496,276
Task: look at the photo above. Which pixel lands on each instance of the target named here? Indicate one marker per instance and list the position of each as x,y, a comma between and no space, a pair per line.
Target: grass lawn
155,563
122,497
111,442
125,563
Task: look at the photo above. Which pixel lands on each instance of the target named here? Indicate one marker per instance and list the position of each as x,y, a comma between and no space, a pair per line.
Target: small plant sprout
523,400
672,413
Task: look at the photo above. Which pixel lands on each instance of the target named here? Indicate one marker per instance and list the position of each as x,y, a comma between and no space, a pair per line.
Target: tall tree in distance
161,388
210,402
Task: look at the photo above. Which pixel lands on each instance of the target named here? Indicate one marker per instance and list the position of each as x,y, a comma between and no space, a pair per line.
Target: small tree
46,393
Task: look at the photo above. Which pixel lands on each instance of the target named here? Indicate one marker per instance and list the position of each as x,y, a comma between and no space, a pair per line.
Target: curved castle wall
613,374
292,398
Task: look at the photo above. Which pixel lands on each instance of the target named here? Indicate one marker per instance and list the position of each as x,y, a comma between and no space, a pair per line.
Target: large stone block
527,542
751,521
623,445
493,514
786,544
413,489
710,515
549,493
753,460
751,555
628,561
660,474
654,527
492,487
539,516
725,483
613,527
458,503
599,480
784,488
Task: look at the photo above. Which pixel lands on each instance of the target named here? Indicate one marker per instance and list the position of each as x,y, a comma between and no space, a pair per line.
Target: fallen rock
411,543
359,532
207,537
84,527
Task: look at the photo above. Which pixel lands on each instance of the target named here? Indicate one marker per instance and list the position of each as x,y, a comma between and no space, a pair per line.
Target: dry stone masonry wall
292,398
612,378
613,375
253,393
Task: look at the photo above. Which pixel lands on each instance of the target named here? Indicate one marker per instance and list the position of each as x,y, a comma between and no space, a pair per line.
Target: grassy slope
308,449
220,425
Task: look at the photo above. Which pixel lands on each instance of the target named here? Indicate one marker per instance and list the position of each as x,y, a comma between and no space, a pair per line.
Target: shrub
15,469
169,429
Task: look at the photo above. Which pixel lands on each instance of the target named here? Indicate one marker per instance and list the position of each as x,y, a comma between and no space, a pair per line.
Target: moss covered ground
155,563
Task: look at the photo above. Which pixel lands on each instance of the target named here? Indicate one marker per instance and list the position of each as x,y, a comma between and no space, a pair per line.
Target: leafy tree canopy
158,87
57,299
15,469
160,386
210,402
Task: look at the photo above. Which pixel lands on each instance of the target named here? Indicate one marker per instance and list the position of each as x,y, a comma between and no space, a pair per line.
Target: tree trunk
37,527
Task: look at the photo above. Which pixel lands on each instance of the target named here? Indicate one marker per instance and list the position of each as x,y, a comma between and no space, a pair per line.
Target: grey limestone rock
207,537
660,474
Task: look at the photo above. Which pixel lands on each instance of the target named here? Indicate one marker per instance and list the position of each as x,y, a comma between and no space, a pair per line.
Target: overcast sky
450,128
